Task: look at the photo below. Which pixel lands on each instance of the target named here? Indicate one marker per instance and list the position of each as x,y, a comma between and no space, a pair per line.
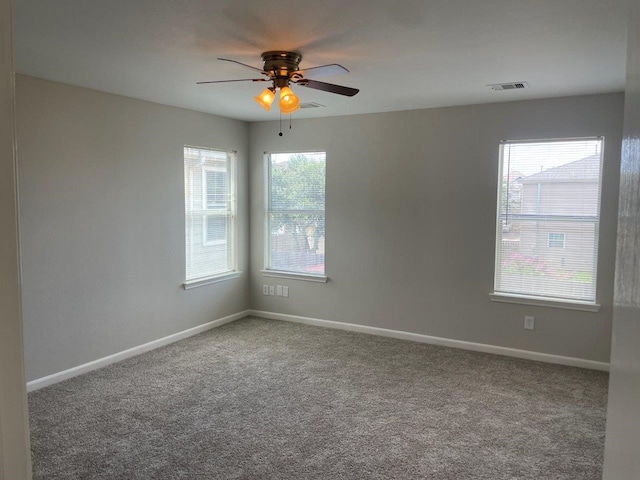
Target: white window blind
296,212
210,218
549,218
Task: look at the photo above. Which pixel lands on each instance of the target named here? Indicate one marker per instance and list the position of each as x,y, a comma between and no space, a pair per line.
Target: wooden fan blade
244,65
239,80
328,87
323,70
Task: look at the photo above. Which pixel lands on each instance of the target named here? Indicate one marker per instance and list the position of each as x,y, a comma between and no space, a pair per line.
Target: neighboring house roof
584,169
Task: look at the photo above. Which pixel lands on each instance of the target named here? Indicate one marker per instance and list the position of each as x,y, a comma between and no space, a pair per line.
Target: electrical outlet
279,290
285,291
265,289
528,322
272,290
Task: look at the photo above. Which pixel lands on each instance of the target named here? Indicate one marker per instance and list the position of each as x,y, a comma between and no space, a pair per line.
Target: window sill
201,282
295,276
544,302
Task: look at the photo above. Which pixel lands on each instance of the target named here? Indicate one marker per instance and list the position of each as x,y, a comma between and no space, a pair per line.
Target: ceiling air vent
509,86
310,105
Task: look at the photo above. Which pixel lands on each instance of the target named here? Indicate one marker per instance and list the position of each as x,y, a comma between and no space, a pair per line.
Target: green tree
299,185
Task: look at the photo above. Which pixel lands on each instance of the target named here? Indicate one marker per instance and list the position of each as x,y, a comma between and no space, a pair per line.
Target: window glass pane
548,218
296,209
209,212
297,181
297,242
216,188
216,229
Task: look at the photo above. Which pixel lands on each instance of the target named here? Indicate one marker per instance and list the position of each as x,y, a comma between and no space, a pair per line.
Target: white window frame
545,301
229,211
269,272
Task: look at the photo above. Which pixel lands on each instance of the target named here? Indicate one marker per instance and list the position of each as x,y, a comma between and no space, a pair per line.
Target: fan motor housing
280,63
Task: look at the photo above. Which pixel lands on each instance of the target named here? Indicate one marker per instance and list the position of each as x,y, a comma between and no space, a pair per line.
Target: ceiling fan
282,69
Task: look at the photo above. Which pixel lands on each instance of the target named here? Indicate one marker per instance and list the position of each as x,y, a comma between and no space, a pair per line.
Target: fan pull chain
289,121
280,134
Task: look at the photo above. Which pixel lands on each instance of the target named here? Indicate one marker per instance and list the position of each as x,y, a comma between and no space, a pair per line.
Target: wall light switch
279,290
265,289
285,291
528,322
272,290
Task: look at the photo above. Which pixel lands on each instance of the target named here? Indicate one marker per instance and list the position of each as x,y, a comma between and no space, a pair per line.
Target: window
548,219
556,240
210,219
295,212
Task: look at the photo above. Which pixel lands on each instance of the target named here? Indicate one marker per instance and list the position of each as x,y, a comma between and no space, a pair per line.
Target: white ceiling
402,54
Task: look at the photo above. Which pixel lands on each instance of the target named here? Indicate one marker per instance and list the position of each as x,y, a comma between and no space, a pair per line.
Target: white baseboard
132,352
384,332
445,342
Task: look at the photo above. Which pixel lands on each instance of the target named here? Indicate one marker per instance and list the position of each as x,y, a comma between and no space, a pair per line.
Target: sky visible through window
530,158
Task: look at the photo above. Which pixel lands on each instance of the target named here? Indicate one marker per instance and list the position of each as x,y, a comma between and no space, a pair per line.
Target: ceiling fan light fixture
266,98
282,68
289,101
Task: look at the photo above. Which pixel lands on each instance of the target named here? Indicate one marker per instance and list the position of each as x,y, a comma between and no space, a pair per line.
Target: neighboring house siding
550,192
534,240
542,198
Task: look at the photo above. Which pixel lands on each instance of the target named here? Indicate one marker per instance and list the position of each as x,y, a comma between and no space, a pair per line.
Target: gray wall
410,222
410,225
102,221
621,460
14,436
